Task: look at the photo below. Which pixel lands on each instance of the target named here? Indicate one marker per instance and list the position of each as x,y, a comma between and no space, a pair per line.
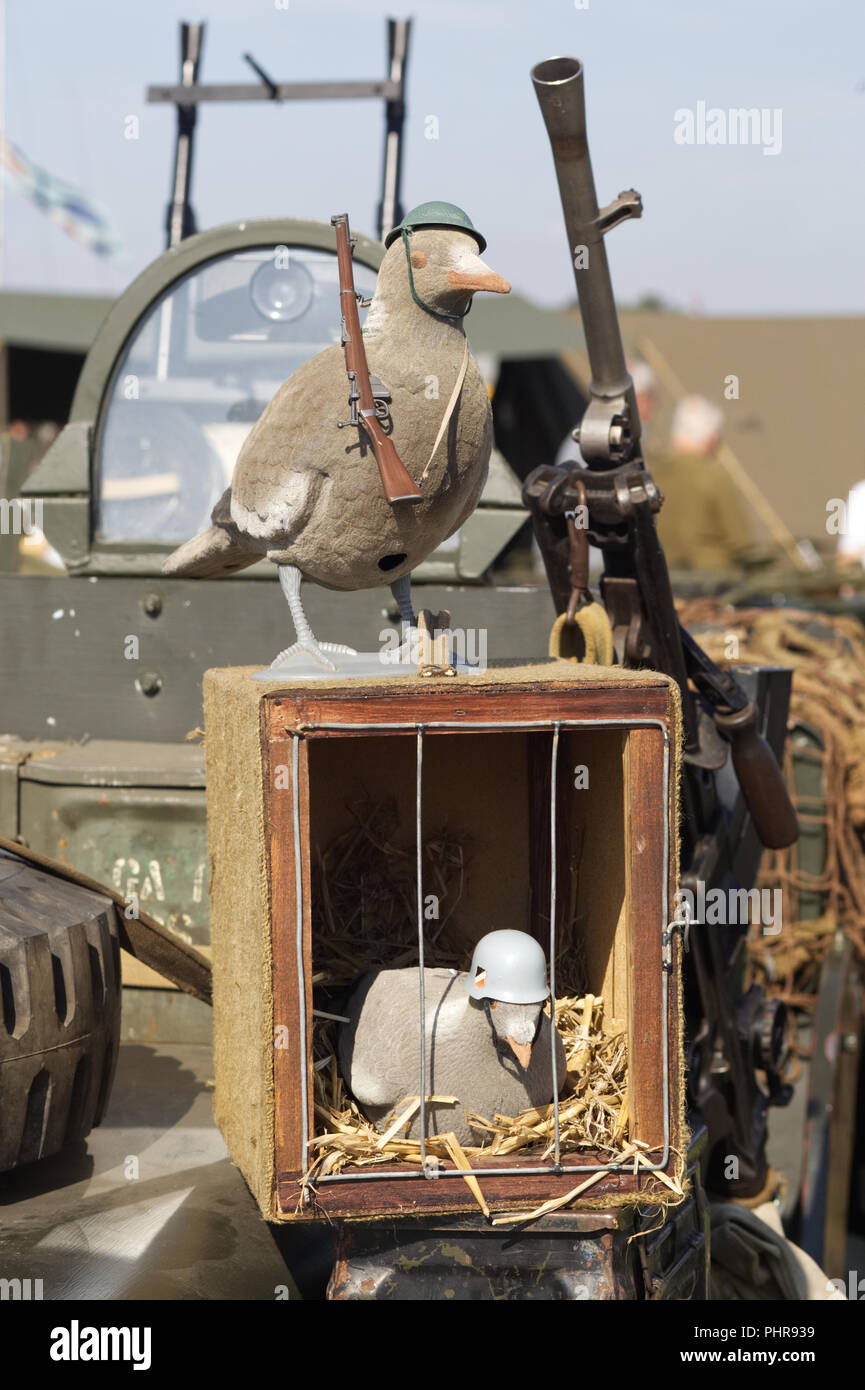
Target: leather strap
451,405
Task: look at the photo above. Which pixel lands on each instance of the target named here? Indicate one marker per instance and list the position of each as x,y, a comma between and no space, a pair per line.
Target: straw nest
364,917
593,1107
364,913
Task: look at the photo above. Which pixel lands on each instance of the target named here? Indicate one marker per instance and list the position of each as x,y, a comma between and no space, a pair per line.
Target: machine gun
733,1034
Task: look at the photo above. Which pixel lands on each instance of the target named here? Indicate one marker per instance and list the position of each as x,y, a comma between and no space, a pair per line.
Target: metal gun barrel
558,83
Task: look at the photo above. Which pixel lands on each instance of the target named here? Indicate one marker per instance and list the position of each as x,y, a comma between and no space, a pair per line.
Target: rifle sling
449,410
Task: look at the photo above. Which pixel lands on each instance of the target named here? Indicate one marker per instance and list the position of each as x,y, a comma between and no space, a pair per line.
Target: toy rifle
368,398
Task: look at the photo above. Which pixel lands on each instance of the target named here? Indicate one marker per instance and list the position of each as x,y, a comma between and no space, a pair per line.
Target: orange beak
522,1052
465,280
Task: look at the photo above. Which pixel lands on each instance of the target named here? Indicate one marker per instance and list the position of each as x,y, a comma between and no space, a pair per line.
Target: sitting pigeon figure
308,495
487,1038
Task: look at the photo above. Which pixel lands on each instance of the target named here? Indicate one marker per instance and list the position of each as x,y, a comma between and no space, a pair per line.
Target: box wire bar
554,768
298,888
418,830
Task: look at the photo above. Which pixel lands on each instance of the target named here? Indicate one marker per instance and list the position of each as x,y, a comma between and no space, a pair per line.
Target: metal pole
420,941
558,84
390,210
298,893
181,218
554,772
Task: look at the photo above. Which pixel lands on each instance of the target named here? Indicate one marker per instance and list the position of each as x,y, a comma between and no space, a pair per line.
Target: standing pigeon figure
308,495
487,1038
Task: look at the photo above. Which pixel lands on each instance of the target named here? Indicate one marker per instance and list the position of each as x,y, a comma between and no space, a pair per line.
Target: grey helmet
508,965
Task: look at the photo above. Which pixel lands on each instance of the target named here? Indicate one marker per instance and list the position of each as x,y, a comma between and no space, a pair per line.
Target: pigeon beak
522,1052
482,280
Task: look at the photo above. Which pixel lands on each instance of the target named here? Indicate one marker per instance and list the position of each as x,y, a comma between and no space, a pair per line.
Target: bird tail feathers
210,554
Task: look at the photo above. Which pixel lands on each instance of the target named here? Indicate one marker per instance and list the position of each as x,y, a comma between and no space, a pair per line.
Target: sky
727,229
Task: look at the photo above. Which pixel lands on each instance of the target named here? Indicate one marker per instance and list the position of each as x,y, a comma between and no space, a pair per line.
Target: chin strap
437,313
499,1045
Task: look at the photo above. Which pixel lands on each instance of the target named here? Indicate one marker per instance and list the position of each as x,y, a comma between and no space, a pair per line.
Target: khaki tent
796,425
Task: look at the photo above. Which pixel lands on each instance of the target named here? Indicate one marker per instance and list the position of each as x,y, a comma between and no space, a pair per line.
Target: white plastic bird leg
401,590
407,651
307,644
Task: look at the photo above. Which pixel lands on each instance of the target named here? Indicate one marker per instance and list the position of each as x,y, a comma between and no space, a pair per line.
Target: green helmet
436,214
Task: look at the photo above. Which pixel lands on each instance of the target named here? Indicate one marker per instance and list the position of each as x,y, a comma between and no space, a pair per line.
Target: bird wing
379,1052
287,455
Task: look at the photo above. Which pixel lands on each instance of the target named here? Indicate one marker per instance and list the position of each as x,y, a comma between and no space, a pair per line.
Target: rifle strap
449,410
590,630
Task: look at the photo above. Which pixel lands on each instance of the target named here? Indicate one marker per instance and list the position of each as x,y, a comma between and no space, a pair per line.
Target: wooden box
282,763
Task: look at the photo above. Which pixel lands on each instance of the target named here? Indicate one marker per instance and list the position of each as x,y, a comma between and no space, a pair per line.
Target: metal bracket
381,399
667,947
628,204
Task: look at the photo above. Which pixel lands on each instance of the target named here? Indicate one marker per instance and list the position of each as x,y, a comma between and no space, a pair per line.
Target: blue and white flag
73,210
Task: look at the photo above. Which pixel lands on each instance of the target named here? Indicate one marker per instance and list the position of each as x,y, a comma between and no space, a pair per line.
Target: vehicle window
196,374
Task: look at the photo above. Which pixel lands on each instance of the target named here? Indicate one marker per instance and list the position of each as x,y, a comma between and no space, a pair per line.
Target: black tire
59,1011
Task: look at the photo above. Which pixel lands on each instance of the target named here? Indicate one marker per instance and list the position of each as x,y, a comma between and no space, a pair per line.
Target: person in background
646,391
46,434
702,524
851,539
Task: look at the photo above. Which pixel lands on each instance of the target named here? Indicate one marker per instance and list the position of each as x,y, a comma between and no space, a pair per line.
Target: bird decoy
487,1038
308,495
